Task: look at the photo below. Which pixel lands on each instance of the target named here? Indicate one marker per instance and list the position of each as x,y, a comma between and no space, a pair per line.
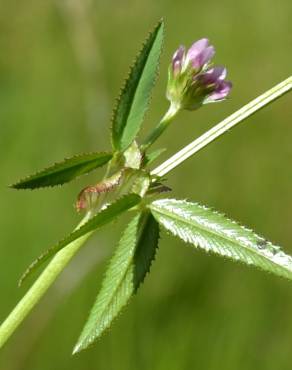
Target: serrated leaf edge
78,347
125,81
56,165
62,243
258,252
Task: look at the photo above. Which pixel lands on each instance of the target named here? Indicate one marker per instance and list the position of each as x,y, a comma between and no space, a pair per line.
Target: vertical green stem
41,285
159,129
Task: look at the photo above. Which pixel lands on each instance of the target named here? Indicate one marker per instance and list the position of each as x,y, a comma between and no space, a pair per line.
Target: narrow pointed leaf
135,95
128,267
100,219
65,171
152,156
213,232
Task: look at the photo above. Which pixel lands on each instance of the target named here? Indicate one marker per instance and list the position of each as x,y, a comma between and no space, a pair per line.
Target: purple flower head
192,81
200,53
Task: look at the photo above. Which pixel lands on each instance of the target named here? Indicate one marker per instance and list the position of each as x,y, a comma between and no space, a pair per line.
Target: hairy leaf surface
135,95
64,171
100,219
127,269
213,232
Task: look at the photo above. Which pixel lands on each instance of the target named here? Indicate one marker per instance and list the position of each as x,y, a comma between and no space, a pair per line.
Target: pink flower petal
221,92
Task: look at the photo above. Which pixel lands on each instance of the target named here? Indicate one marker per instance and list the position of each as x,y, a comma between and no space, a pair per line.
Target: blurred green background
61,66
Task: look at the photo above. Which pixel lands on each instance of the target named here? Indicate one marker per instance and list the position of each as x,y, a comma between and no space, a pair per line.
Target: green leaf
127,270
100,219
152,156
64,171
213,232
135,95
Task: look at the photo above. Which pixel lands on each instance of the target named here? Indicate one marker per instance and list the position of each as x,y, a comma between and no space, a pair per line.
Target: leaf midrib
139,82
60,168
180,218
125,273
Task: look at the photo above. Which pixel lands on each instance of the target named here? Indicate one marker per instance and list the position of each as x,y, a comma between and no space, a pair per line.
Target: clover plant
131,185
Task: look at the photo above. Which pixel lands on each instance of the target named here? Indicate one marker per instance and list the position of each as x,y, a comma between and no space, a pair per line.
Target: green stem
159,129
41,285
222,127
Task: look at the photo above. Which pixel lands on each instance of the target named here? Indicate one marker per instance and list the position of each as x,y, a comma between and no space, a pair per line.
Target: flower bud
192,82
200,53
177,60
